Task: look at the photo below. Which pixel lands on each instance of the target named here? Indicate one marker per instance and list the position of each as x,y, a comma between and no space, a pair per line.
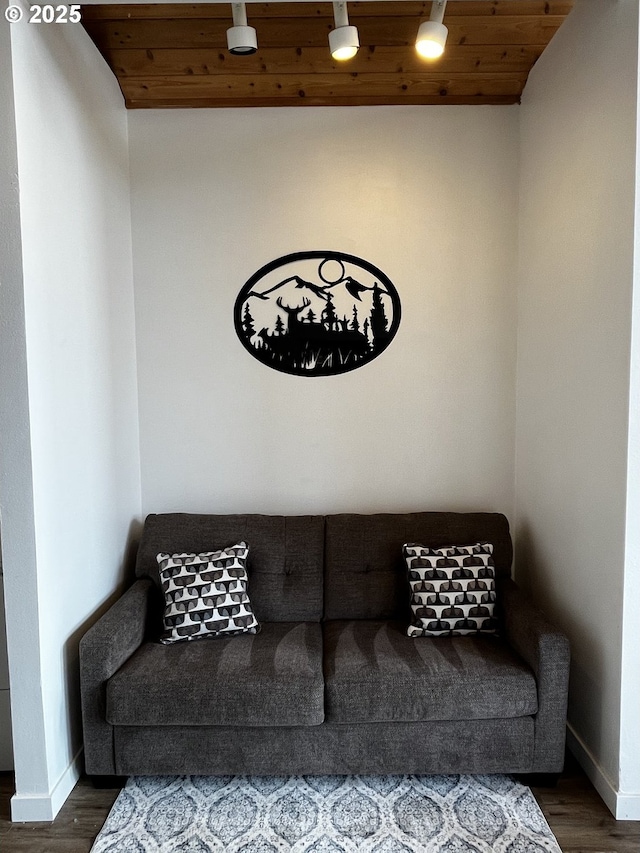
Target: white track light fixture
343,40
432,34
241,39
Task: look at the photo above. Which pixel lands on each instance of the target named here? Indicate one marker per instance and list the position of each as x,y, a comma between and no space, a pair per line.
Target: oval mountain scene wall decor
317,313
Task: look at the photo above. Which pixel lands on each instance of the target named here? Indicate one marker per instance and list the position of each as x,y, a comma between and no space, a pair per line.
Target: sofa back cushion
366,575
285,556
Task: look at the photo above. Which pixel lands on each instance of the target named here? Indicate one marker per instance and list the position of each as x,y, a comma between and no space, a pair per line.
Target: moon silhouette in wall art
317,313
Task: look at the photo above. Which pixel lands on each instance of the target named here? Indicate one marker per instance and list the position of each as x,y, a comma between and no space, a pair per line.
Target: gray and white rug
325,814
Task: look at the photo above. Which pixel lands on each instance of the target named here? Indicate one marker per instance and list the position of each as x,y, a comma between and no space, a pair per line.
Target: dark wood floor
576,814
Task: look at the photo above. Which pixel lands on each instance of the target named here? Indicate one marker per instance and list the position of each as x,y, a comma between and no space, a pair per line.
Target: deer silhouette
280,347
293,319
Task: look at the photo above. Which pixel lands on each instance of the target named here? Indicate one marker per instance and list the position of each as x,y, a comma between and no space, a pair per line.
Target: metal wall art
317,313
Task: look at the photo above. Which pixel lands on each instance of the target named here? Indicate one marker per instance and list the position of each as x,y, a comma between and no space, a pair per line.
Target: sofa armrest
103,650
546,650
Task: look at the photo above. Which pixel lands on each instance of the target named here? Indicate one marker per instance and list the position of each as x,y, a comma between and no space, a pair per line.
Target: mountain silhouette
300,284
354,288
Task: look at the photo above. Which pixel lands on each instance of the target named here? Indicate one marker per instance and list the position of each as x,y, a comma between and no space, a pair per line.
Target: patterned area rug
325,814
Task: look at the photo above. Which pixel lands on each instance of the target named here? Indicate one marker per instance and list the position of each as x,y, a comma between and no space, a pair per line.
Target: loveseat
331,684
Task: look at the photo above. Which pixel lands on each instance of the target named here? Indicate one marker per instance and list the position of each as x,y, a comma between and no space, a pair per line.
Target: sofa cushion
366,576
273,678
285,561
374,672
452,589
206,594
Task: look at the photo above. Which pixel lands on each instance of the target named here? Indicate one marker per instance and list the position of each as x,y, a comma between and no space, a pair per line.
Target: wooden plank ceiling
175,55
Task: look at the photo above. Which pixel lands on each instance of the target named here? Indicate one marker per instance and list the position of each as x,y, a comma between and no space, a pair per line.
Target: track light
432,34
241,39
343,40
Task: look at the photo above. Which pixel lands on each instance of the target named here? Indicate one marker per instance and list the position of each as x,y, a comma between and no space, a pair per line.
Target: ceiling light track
344,40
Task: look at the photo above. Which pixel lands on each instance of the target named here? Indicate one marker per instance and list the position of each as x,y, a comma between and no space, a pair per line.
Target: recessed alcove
509,232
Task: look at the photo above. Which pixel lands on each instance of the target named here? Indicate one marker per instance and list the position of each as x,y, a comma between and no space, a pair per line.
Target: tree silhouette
311,317
279,326
378,316
247,322
329,317
355,325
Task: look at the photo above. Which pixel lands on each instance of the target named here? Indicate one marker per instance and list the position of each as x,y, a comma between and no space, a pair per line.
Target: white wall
630,682
427,195
16,493
576,255
72,152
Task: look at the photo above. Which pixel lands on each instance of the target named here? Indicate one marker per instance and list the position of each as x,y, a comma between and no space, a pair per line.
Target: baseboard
622,805
628,806
44,807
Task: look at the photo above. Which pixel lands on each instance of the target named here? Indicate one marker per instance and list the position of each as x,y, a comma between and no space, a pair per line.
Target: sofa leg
102,782
539,780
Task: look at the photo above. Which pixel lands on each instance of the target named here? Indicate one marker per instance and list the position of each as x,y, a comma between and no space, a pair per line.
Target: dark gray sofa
331,684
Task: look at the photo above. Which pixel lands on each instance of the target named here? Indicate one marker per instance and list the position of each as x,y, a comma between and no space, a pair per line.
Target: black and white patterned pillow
206,594
452,589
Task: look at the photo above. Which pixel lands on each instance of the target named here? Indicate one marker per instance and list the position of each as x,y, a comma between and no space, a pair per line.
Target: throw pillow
206,594
452,589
